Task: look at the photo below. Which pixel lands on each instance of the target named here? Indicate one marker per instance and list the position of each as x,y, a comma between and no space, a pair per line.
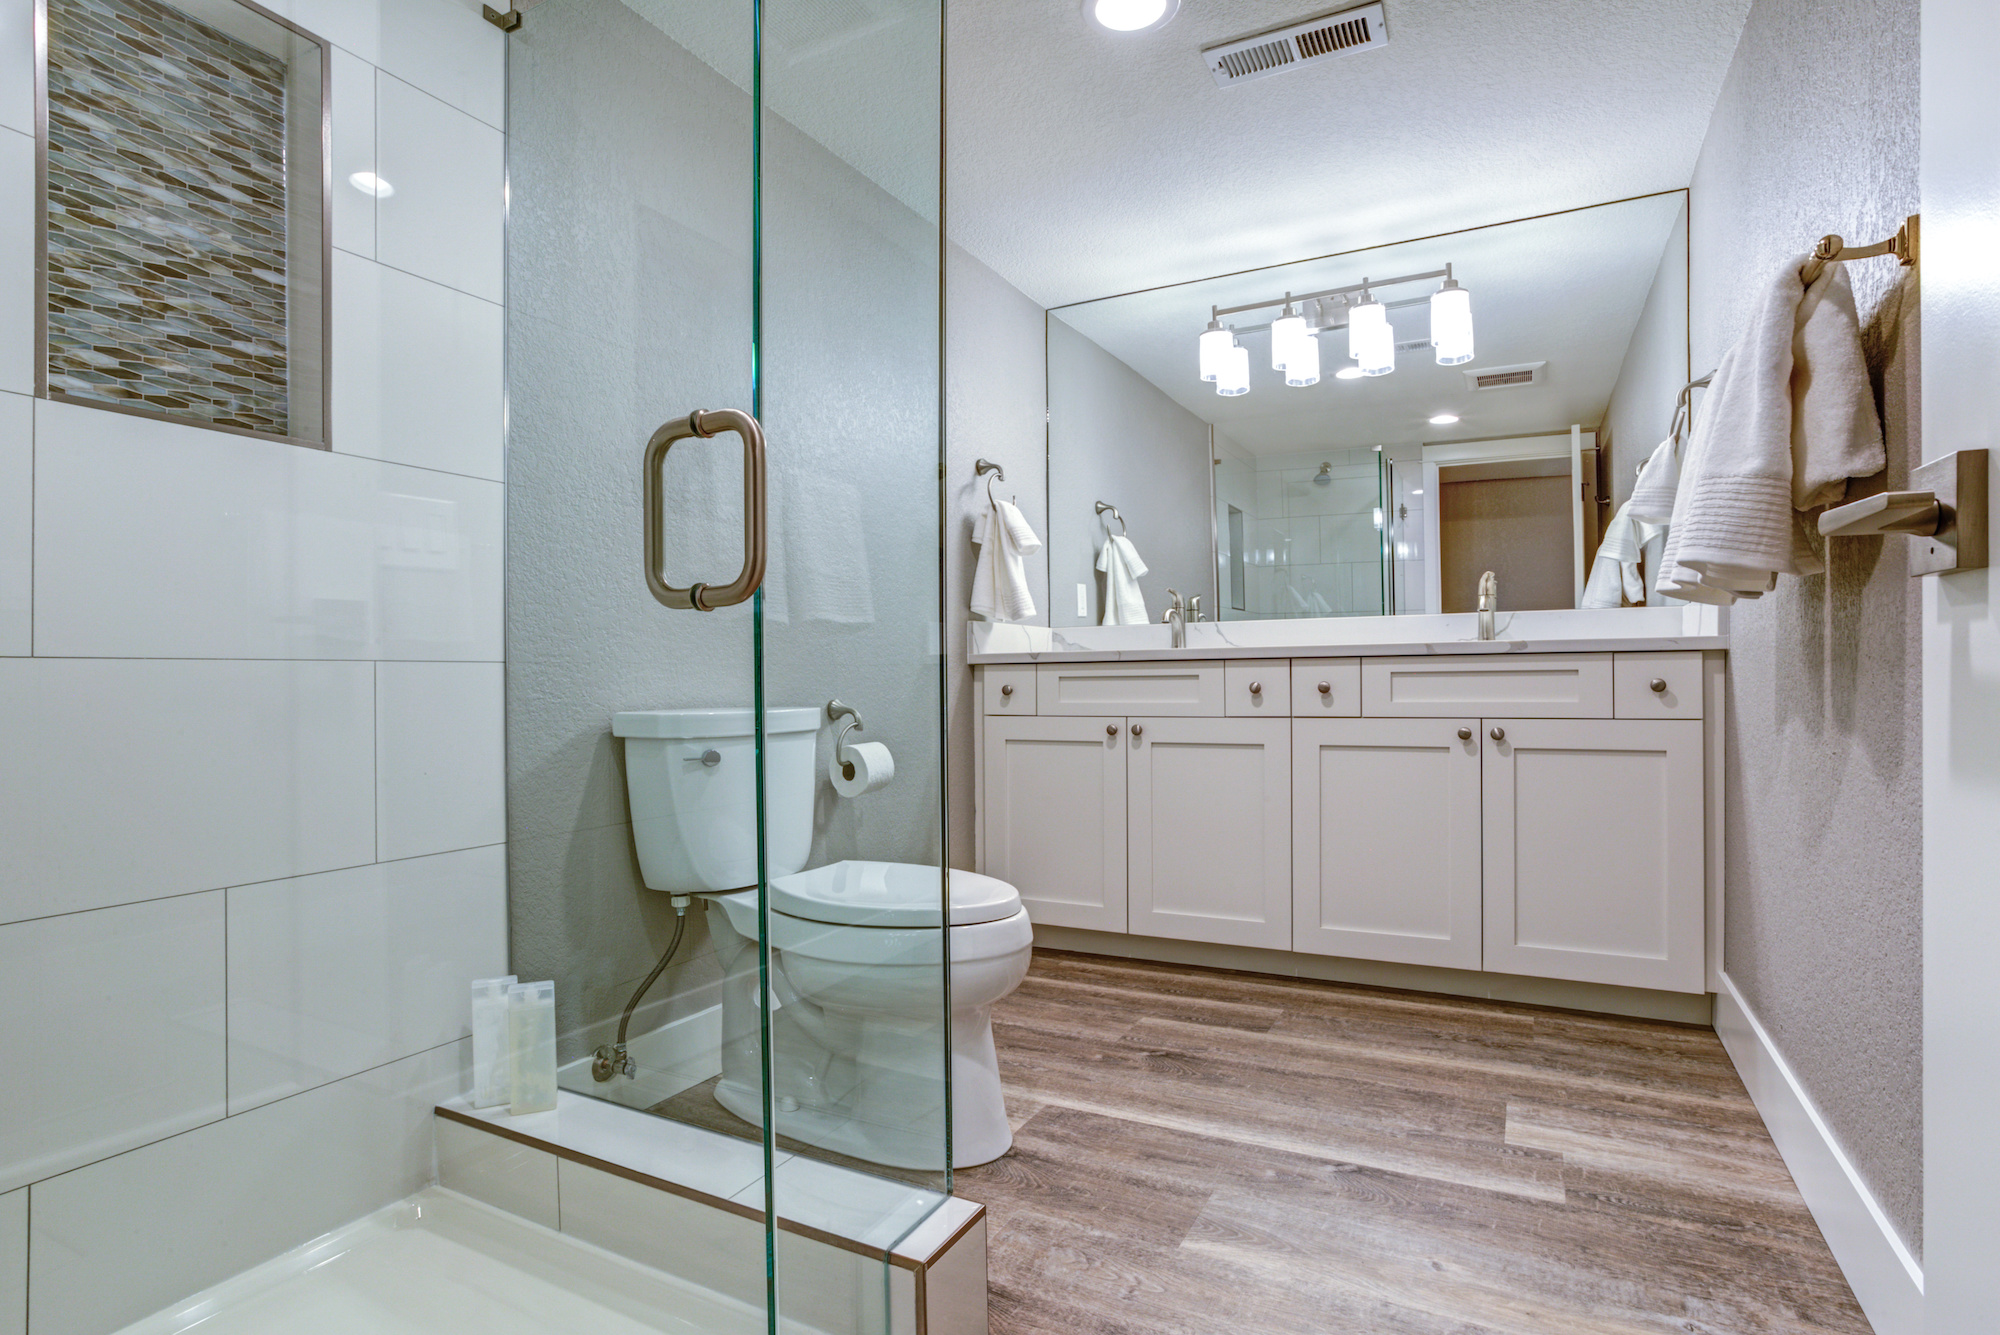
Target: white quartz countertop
1627,630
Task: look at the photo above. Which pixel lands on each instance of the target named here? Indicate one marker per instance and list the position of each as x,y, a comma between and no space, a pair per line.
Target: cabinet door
1210,835
1385,829
1055,817
1594,851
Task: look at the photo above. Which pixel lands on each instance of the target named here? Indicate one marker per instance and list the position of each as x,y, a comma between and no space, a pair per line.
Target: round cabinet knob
1326,688
1465,734
710,759
1498,734
1111,730
1256,688
1138,730
1006,690
1659,685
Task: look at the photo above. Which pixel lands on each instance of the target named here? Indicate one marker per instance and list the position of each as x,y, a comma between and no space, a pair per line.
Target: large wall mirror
1367,433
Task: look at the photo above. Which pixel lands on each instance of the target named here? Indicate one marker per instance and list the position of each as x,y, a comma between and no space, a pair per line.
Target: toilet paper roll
868,766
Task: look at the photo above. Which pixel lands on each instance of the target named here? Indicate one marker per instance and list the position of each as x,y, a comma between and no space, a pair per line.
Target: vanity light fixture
1451,322
1443,419
1371,342
1215,345
1349,373
1302,363
1233,375
1132,15
1288,339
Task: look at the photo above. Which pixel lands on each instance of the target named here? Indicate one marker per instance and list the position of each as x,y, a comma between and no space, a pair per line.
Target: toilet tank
695,819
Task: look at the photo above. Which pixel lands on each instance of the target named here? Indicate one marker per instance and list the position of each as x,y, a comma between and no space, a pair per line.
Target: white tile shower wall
195,752
341,972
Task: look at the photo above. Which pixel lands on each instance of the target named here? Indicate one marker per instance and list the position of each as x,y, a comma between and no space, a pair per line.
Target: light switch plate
1083,600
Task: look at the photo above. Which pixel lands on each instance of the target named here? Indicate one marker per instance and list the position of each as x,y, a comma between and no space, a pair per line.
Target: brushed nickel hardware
707,597
1256,688
981,467
1833,250
1006,690
1176,617
1465,734
1947,517
1498,734
1103,506
506,22
711,758
836,711
1111,730
1658,685
1326,688
1138,730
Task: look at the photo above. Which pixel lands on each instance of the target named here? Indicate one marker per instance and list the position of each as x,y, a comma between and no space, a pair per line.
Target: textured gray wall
1114,436
1816,132
995,401
630,286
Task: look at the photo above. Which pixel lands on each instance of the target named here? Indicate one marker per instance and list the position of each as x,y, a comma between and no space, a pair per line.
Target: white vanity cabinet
1543,815
1210,831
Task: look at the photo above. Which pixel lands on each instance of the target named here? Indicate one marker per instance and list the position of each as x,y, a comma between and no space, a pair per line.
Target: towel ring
985,466
1102,506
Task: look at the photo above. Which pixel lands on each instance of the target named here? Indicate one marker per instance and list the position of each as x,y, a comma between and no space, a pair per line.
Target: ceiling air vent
1273,52
1505,377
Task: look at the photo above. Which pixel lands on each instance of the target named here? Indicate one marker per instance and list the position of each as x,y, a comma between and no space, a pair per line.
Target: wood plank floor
1207,1153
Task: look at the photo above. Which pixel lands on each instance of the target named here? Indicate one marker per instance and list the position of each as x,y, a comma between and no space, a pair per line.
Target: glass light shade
1233,376
1349,373
1371,340
1215,346
1288,337
1302,366
1451,325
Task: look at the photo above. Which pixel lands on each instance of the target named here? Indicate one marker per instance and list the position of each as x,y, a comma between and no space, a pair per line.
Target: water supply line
611,1059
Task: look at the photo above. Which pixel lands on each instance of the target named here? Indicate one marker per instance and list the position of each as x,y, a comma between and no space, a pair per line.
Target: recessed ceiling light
368,183
1131,15
1444,419
1349,373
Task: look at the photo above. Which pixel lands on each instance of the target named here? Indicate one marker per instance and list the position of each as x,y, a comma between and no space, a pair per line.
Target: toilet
857,1037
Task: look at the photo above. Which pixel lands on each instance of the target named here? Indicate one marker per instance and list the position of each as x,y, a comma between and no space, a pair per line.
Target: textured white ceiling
1082,162
1566,290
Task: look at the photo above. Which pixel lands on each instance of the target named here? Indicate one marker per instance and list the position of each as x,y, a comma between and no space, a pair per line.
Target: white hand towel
1659,477
1124,604
1000,577
1788,419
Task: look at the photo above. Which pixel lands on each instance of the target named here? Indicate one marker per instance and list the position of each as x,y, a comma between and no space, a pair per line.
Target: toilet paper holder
836,711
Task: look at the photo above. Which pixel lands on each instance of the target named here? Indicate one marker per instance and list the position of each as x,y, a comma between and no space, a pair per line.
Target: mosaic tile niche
183,215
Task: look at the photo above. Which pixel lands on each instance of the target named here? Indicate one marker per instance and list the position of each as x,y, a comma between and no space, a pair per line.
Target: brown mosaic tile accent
166,215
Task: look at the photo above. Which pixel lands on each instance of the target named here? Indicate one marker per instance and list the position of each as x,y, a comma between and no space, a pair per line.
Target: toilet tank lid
694,723
890,894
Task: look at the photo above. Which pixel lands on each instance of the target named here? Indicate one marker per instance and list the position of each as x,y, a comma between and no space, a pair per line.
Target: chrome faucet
1194,608
1176,616
1489,602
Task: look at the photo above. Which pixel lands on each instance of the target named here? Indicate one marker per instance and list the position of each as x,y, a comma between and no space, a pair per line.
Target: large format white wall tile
351,101
17,262
440,756
446,220
416,370
17,521
447,49
129,780
336,973
17,76
114,1032
155,539
14,1263
114,1241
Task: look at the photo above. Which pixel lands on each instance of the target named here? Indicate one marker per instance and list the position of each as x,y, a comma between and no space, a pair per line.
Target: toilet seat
890,894
846,943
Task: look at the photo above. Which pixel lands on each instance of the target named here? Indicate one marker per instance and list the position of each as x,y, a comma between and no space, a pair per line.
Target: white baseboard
675,1057
1887,1281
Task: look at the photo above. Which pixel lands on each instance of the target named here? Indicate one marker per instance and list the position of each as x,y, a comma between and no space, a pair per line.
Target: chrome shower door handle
707,597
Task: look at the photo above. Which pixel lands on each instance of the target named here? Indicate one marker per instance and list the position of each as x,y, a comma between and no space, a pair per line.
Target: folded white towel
1124,604
1000,589
1659,477
1788,419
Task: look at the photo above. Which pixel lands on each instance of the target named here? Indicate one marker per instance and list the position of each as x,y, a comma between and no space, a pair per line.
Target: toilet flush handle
711,758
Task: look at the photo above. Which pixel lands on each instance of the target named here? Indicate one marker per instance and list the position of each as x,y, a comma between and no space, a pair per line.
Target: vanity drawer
1010,690
1510,685
1168,690
1679,678
1258,686
1340,676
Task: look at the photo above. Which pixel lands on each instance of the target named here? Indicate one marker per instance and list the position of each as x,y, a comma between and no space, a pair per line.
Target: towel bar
1833,250
1946,514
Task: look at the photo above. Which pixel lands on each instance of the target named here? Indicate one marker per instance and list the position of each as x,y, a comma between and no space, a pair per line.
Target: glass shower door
733,205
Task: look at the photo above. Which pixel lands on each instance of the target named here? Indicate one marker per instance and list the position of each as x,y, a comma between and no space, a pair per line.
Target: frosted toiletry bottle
531,1039
491,1064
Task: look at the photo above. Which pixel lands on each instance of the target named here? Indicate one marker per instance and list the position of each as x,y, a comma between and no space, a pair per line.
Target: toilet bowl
857,1024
